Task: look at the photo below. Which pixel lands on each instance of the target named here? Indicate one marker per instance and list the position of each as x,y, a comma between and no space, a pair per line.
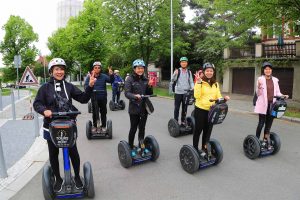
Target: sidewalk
23,152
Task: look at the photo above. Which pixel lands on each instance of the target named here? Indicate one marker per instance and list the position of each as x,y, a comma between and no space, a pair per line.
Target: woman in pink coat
267,88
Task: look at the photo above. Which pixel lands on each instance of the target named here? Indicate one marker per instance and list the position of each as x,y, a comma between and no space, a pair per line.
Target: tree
18,40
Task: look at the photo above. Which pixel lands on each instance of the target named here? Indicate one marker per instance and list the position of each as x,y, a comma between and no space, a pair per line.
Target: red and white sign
28,78
153,75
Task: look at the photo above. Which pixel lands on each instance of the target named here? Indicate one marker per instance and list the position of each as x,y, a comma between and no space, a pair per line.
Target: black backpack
175,81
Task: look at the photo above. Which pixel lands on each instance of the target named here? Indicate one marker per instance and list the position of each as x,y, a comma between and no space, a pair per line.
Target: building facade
67,9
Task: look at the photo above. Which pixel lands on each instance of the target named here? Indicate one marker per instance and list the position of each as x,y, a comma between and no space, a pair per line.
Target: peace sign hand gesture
92,79
110,71
198,76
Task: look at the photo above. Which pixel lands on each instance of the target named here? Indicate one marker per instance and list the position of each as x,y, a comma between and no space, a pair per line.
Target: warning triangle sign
28,78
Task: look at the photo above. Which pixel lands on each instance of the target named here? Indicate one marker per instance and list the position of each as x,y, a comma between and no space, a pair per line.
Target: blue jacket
116,82
100,85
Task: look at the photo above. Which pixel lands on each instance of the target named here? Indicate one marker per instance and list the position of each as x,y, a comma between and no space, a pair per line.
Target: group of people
137,84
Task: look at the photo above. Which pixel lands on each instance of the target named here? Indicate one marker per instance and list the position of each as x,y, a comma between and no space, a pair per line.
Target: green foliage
18,40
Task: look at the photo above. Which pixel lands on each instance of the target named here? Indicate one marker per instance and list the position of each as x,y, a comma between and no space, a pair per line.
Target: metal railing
287,50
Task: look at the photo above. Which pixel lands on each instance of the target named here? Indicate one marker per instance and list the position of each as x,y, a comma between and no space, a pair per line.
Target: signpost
28,78
18,63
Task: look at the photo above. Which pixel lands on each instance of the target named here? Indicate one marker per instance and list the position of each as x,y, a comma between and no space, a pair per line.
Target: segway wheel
88,129
191,122
111,105
275,139
193,113
88,180
122,104
216,150
152,145
251,146
109,129
124,154
189,159
173,128
89,107
47,182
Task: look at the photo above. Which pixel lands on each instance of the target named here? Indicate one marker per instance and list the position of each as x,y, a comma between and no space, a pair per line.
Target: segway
63,132
98,133
120,105
148,149
175,129
190,158
254,147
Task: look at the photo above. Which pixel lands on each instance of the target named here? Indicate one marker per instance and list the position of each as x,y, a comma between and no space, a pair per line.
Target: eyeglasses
97,67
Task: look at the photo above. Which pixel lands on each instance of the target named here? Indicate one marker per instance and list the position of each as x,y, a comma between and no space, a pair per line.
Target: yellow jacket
203,92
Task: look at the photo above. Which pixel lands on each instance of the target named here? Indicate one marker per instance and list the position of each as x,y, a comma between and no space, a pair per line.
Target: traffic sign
17,61
28,78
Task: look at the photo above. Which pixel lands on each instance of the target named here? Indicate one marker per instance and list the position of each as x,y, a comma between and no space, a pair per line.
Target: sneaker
146,151
133,153
58,185
104,129
94,129
78,183
183,124
203,154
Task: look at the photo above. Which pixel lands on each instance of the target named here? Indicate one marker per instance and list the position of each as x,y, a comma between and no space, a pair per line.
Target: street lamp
44,69
171,38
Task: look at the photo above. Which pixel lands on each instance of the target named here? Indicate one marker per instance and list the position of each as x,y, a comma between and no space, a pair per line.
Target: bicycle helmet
138,62
56,62
184,59
208,65
267,64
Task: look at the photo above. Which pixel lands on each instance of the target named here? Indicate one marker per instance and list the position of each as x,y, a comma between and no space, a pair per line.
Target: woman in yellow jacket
206,89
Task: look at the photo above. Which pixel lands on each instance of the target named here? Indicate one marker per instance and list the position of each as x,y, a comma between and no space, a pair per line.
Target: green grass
5,92
292,112
162,92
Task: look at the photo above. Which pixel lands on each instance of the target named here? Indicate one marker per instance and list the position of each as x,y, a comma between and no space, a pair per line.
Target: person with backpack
267,87
206,89
182,81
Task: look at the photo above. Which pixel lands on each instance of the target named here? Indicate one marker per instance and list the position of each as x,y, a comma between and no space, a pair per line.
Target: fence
287,50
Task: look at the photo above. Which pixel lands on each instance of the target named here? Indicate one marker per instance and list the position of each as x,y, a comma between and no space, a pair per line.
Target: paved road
237,177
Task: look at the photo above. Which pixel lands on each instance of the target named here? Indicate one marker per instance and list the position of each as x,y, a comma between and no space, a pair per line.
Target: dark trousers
264,120
53,157
201,124
101,106
115,93
135,122
179,99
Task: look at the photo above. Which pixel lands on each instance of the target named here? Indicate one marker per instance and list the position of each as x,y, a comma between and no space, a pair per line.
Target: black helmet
267,64
208,65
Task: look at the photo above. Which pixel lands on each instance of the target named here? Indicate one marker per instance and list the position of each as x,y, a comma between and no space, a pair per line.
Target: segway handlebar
219,100
147,96
98,90
54,114
283,97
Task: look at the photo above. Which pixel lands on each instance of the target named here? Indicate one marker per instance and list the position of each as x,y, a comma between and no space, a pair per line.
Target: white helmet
55,62
116,71
98,63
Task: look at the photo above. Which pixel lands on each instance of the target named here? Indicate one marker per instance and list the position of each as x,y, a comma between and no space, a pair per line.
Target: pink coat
262,99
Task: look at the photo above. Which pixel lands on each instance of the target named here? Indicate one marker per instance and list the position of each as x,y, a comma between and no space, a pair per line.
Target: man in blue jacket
115,86
101,93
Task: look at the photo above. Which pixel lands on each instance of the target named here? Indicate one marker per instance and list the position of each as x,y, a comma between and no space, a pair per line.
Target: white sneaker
104,129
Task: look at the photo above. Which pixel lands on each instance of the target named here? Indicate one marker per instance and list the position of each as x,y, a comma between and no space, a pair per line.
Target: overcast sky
40,14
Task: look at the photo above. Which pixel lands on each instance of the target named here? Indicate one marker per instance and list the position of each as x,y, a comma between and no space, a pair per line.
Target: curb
17,101
25,169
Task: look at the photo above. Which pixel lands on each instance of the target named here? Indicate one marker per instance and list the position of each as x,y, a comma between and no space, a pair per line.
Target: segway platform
99,133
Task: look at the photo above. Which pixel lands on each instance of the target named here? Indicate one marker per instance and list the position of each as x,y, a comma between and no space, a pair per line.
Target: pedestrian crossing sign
28,78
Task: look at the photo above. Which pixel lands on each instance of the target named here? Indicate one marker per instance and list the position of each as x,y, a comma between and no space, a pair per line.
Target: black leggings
179,99
53,157
135,122
201,124
103,111
264,120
